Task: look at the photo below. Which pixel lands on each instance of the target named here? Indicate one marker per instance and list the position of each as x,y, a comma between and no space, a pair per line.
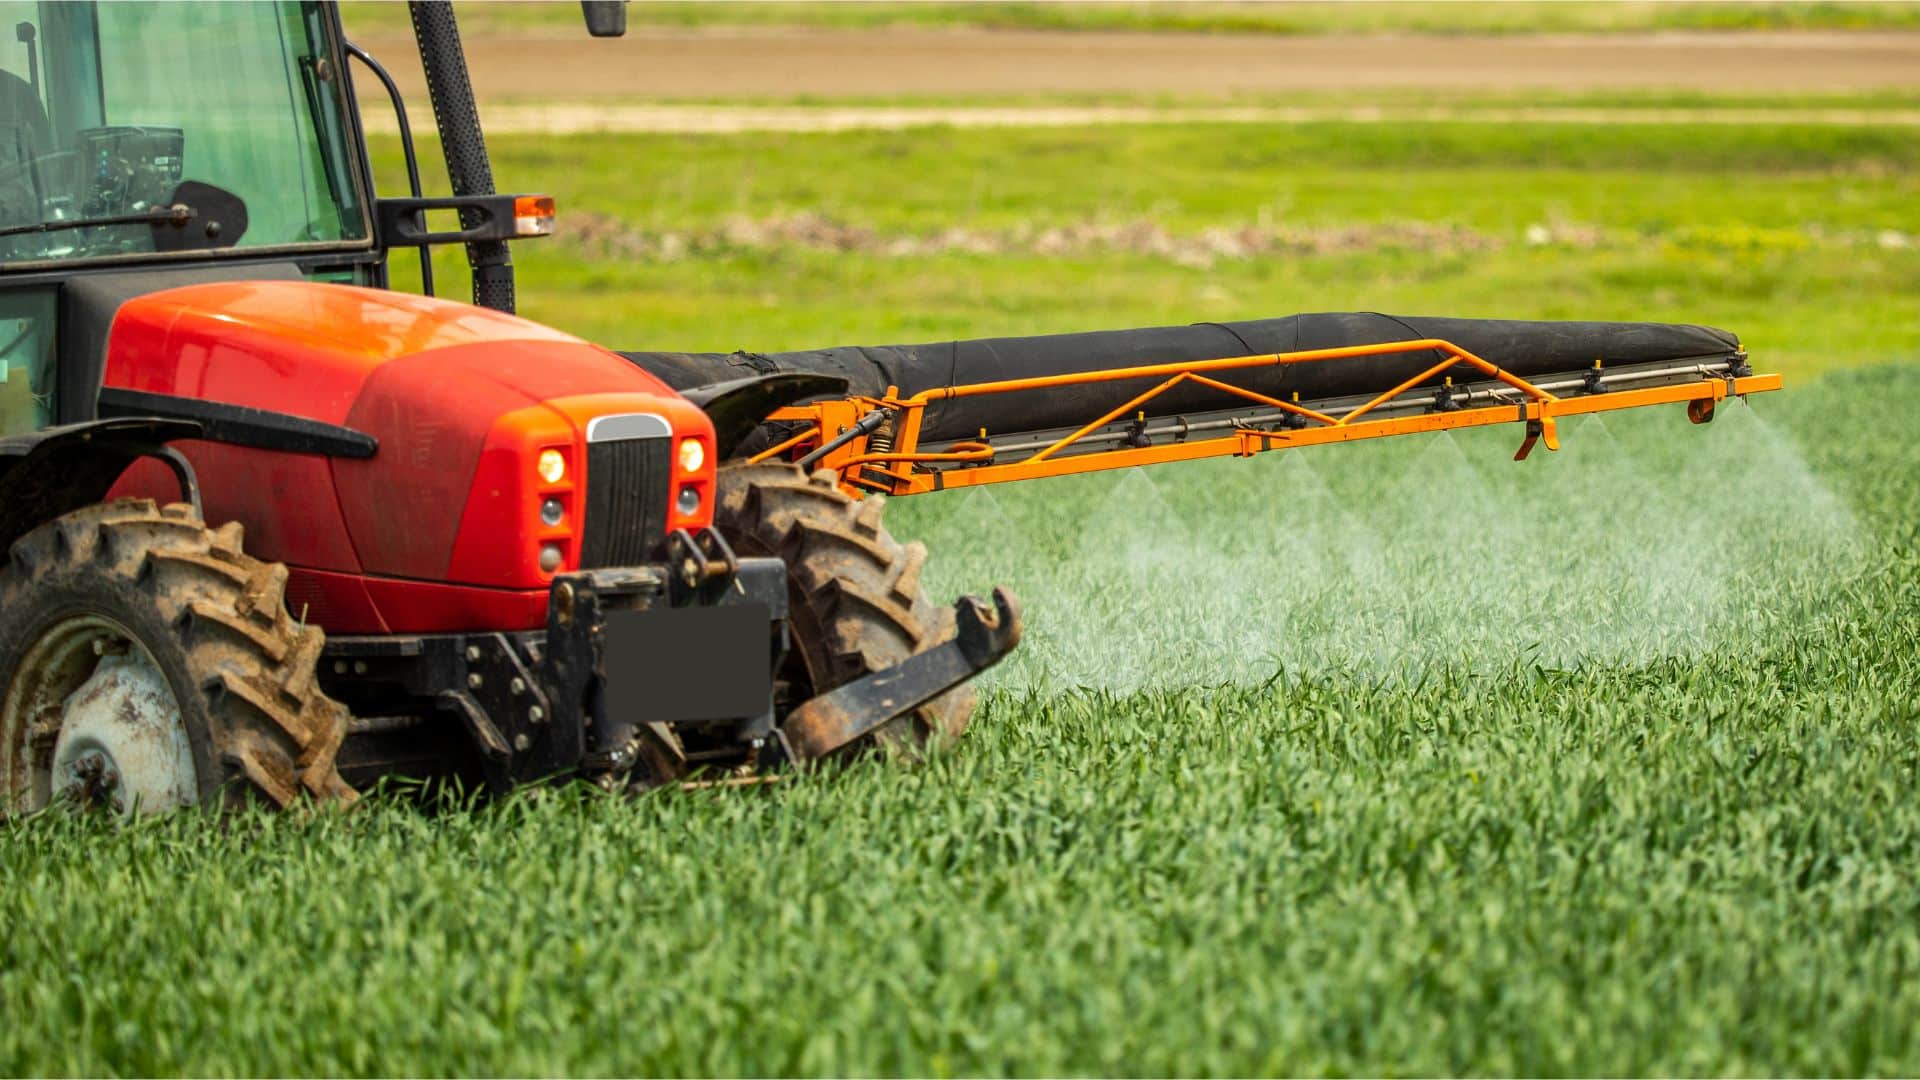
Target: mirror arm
406,146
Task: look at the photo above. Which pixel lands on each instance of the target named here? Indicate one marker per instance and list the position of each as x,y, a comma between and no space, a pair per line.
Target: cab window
106,108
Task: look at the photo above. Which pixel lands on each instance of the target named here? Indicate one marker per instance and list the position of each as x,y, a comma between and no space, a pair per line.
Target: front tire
855,605
132,630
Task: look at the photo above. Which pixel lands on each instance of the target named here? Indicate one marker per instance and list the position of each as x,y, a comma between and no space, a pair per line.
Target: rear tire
129,579
855,605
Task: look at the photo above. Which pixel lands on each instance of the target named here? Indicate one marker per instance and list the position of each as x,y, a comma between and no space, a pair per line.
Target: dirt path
717,66
579,118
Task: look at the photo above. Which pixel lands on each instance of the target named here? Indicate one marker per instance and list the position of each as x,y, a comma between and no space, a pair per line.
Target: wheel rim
89,717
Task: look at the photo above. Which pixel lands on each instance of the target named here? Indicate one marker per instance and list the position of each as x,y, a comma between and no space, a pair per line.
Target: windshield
105,109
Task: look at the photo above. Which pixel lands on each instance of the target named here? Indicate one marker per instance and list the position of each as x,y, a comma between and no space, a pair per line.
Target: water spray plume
1397,560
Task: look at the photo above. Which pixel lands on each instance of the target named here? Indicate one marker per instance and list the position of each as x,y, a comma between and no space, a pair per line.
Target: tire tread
269,722
854,587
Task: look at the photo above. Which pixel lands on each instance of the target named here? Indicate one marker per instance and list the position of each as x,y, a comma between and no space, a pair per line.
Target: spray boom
882,442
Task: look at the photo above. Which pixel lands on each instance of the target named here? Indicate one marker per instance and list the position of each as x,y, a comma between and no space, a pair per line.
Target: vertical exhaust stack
458,119
605,18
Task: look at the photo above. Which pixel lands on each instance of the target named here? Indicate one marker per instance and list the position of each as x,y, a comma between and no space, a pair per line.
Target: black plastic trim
482,217
243,426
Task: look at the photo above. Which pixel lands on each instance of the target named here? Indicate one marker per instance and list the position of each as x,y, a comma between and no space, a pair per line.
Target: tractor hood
457,401
309,349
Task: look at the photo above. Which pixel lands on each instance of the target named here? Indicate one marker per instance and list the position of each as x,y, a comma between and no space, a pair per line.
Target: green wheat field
1387,758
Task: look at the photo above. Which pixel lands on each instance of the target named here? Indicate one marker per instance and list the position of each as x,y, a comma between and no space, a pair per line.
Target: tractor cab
196,140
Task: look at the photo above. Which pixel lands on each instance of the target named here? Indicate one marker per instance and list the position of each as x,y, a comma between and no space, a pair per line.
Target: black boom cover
1527,349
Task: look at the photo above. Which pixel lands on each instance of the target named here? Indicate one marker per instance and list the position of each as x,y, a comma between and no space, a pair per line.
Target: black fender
739,406
57,470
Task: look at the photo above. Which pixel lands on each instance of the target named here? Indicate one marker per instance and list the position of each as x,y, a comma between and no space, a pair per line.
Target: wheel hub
97,779
121,740
97,722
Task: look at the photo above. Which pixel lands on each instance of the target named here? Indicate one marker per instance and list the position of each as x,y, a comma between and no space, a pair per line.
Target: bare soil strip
578,118
608,237
764,65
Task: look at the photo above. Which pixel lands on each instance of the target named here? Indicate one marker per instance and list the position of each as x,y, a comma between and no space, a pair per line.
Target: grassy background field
1801,237
1396,758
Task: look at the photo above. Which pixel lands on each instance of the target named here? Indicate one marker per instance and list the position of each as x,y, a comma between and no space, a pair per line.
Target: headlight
689,501
552,513
692,455
550,558
552,466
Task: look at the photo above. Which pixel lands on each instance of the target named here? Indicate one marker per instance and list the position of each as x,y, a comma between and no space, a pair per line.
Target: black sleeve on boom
468,168
1528,349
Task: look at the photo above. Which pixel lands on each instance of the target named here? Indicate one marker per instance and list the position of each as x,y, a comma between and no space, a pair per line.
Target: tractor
275,531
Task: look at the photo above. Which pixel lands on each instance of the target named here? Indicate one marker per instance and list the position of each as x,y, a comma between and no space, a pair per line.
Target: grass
1799,236
1392,759
1470,17
1700,861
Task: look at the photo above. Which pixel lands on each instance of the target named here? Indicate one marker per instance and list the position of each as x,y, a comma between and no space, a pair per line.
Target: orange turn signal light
533,215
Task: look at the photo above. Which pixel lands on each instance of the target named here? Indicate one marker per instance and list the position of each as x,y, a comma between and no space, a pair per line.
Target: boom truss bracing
874,443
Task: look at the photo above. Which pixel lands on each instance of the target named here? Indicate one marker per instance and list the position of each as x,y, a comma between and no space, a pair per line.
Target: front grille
627,483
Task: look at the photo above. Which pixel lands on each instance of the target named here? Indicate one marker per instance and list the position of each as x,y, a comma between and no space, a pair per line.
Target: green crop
1388,758
1653,814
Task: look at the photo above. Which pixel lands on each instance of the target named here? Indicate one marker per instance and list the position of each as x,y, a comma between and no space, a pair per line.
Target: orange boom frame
874,444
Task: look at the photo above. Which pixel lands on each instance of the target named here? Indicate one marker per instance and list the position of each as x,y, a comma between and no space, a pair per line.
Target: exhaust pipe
458,120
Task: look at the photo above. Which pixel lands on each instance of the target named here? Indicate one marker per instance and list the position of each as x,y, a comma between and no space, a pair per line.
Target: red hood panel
430,379
305,348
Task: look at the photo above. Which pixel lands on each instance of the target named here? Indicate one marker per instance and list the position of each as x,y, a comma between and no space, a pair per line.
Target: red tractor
277,531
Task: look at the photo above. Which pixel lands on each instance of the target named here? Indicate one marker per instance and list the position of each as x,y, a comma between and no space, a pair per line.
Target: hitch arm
842,716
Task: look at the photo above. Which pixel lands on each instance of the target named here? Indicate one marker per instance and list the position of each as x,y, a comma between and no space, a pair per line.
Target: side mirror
605,18
219,219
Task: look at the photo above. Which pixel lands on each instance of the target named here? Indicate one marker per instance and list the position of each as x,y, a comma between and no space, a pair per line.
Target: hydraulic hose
468,169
